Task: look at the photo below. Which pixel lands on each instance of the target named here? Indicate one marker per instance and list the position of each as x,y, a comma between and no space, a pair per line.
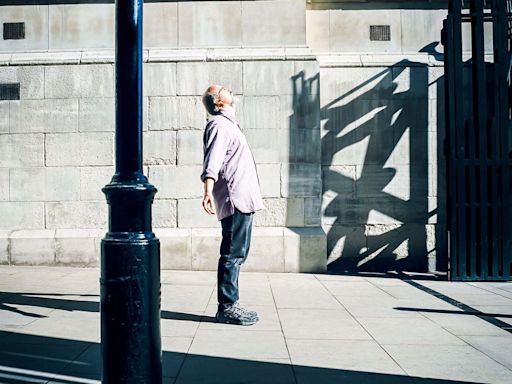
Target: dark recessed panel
10,91
14,31
380,33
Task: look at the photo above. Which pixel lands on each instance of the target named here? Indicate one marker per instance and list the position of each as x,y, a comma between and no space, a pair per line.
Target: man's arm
208,196
215,148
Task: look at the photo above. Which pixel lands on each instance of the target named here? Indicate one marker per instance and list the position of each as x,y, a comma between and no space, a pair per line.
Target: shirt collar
229,115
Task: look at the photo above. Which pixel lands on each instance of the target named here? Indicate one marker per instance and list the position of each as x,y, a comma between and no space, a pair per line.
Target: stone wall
345,131
57,153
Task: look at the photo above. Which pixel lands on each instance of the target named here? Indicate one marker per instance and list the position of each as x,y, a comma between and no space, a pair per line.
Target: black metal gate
478,139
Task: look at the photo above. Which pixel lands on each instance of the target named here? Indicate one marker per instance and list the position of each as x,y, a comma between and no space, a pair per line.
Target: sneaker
246,311
235,315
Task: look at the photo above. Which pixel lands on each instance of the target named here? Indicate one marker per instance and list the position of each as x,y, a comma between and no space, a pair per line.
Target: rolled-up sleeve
216,143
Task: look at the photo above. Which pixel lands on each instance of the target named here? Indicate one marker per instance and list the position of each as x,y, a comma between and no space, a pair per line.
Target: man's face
226,97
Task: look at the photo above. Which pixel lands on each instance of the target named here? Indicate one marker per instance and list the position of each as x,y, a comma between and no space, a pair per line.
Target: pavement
312,329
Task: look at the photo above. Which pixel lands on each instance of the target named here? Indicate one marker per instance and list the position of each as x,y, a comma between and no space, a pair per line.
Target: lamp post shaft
130,251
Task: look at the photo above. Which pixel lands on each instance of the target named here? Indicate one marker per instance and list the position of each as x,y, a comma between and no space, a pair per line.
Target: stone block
269,78
79,149
159,78
345,243
62,183
262,112
78,247
420,28
266,251
269,146
92,179
301,180
160,25
356,24
392,180
22,150
22,215
305,250
30,78
177,182
270,179
312,211
4,184
4,247
76,214
410,83
190,147
192,114
4,116
372,210
277,23
280,212
192,215
71,26
48,115
216,24
436,84
36,27
205,248
27,184
340,179
97,114
367,83
302,110
97,80
165,213
68,81
32,247
159,147
317,26
62,81
175,248
195,77
163,113
304,146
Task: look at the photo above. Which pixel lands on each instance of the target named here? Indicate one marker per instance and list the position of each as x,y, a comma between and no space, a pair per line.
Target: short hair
209,99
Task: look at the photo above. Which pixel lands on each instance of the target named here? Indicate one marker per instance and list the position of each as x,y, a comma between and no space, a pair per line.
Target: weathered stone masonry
344,131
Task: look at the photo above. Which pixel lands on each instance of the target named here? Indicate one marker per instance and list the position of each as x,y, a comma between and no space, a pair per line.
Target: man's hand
208,204
208,196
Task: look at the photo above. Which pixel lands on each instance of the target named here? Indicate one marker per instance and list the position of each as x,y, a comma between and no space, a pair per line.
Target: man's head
217,98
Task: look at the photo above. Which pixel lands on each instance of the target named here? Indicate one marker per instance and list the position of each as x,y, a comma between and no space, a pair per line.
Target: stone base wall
273,249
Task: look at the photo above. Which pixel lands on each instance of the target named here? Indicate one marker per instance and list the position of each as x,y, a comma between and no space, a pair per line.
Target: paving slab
405,331
498,348
234,371
321,324
302,293
257,345
449,362
350,356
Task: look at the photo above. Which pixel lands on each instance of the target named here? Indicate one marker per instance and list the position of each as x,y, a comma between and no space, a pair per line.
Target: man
231,190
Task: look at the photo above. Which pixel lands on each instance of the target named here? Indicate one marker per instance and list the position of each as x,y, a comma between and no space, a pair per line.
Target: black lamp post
130,251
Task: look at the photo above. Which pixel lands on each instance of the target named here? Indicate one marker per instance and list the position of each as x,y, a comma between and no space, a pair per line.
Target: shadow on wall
375,169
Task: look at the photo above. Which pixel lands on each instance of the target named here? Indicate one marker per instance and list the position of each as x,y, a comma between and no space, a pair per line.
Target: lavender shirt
229,162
